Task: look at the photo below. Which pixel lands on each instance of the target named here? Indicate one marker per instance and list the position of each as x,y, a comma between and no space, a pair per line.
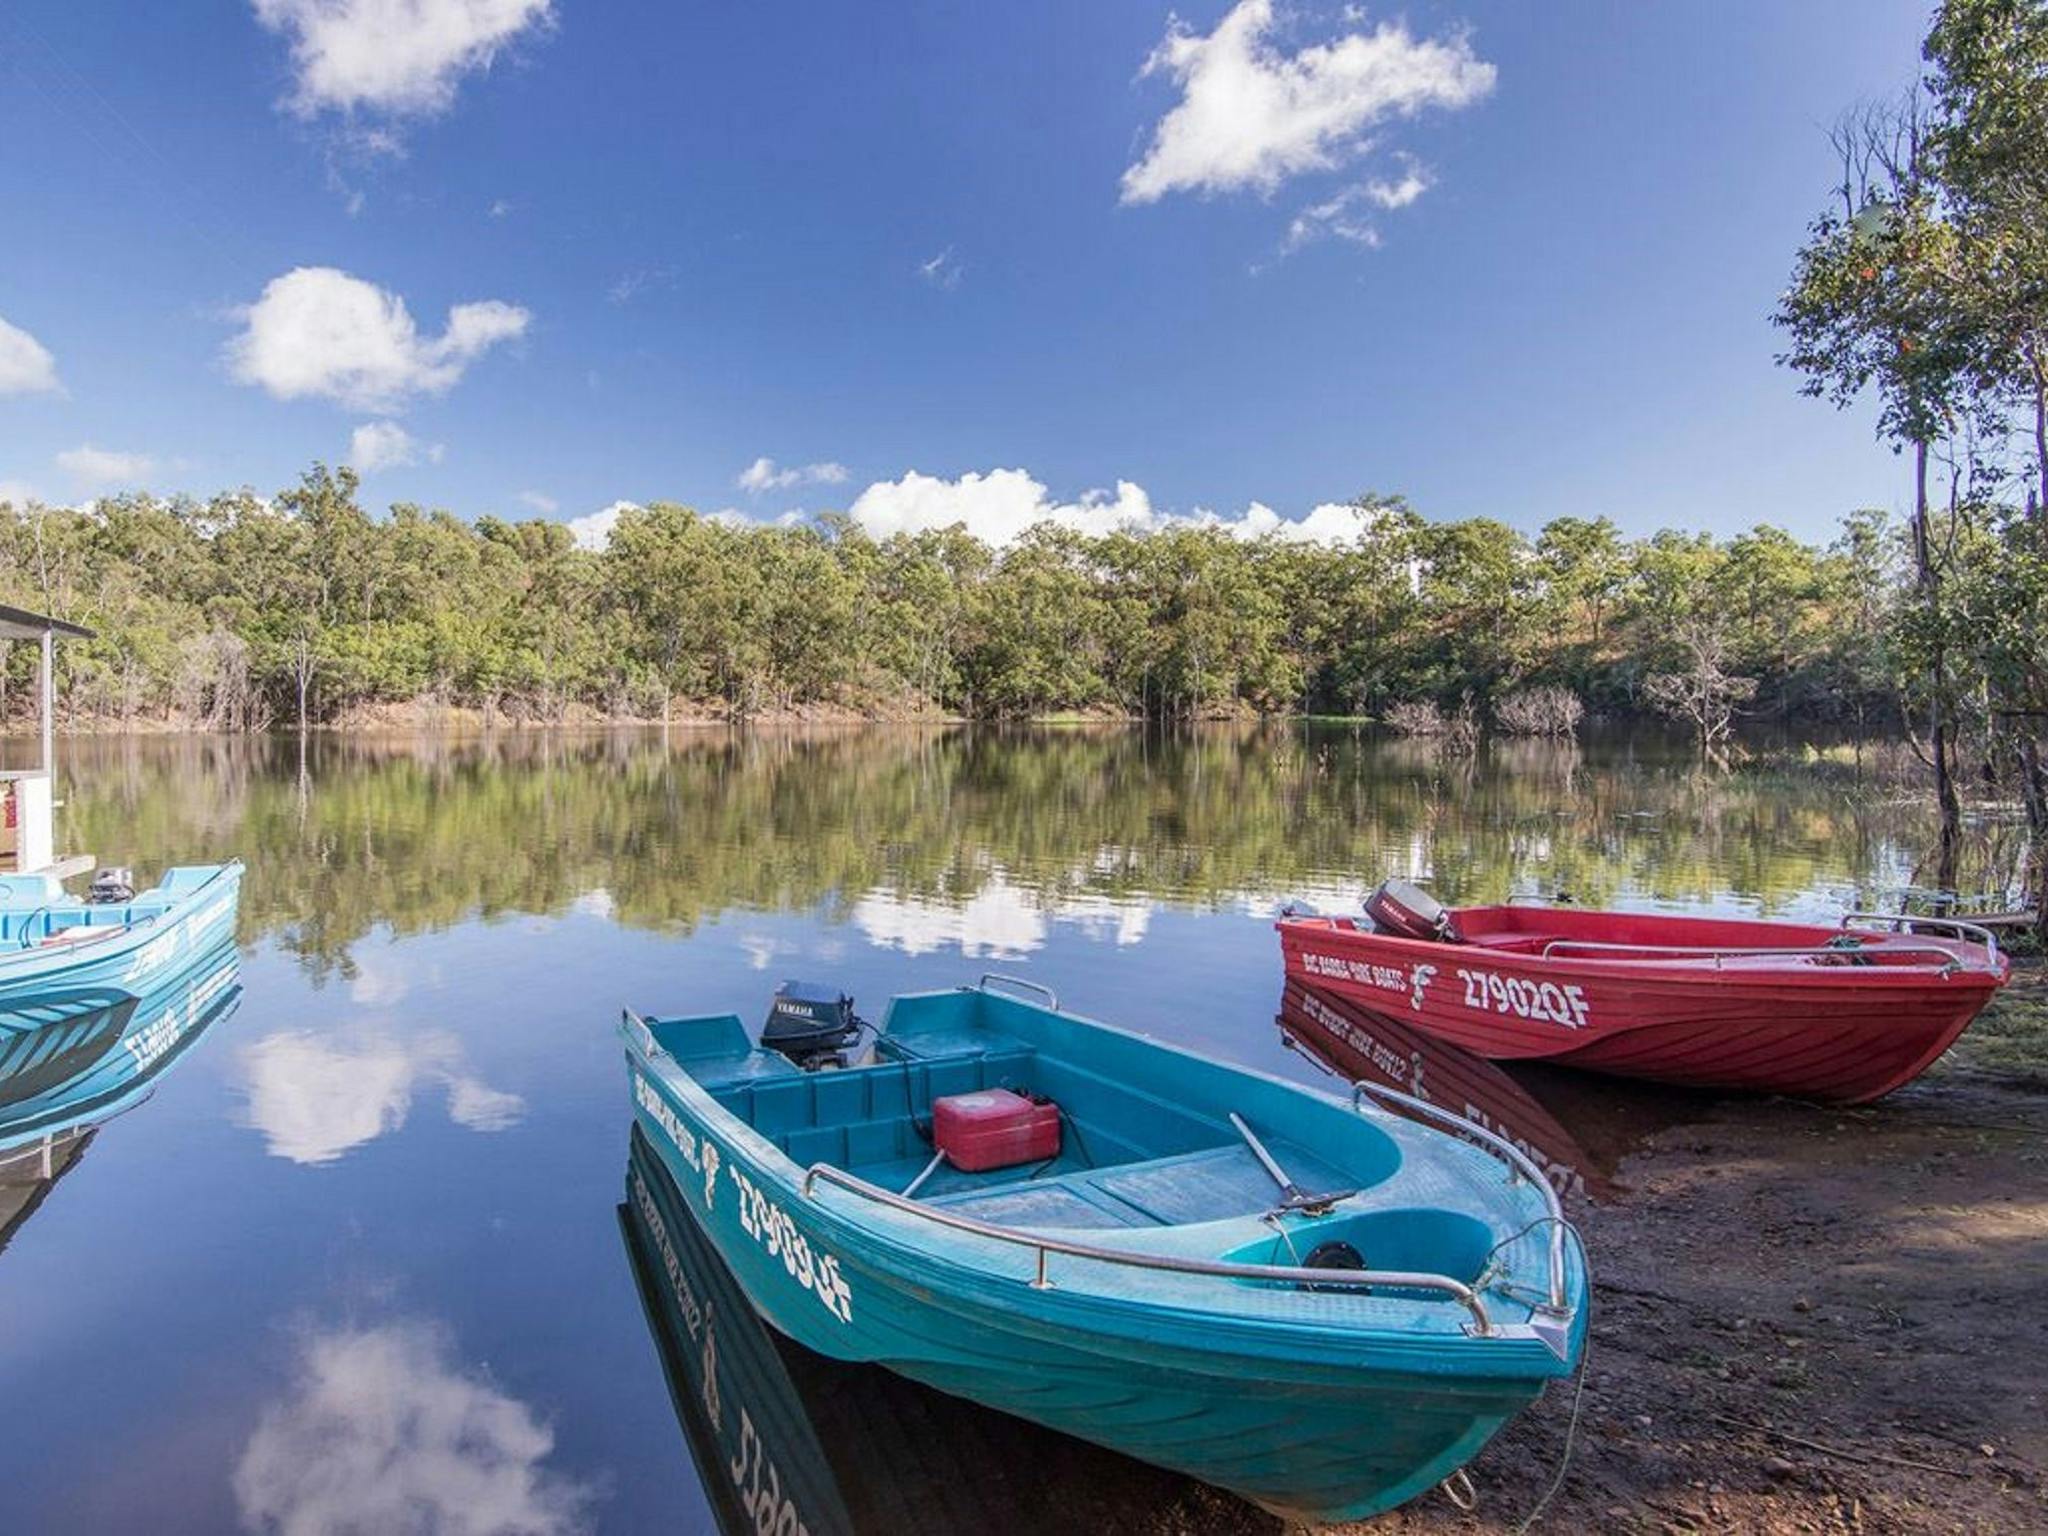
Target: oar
1288,1187
1292,1196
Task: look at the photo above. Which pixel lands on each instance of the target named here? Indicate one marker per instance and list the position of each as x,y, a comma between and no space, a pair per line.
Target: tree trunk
1938,722
2039,359
2034,791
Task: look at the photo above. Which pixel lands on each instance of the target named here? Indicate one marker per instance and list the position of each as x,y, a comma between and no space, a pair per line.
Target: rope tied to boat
1571,1430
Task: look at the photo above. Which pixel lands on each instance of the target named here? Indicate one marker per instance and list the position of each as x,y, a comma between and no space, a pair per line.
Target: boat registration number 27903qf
1848,1012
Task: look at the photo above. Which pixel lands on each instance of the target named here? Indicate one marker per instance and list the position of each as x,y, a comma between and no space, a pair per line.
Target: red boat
1846,1013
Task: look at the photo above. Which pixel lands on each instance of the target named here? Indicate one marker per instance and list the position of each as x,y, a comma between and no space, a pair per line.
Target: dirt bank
1812,1319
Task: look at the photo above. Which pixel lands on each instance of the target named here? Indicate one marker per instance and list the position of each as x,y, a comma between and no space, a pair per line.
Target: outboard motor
812,1024
112,885
1409,912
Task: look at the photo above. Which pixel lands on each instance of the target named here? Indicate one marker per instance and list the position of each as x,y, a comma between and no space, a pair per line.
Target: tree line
240,612
1924,286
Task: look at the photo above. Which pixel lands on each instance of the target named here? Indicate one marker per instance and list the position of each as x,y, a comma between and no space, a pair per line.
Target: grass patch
2010,1038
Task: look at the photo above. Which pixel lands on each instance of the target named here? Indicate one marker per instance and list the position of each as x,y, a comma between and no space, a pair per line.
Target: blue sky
1510,260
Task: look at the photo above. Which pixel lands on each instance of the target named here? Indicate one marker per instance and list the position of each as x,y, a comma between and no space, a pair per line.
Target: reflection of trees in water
423,833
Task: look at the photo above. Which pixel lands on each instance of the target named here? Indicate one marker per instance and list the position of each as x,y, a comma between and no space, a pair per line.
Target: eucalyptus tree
1878,306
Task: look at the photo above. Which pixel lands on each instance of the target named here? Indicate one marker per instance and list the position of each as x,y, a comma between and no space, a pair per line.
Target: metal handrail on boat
1520,1165
1975,933
1653,953
1052,998
1482,1325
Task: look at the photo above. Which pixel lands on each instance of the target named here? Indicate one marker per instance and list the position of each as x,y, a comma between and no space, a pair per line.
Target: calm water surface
358,1263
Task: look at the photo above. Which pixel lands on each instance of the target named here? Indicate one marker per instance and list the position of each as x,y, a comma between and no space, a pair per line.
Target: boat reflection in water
786,1441
98,1050
1575,1126
117,1048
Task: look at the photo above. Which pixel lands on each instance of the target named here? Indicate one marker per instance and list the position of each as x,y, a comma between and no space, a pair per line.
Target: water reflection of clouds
315,1097
384,1430
1001,921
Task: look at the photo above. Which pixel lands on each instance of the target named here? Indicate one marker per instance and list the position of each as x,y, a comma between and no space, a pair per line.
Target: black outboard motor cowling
110,885
812,1024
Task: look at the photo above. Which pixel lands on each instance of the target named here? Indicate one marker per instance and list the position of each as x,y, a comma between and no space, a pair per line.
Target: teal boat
1320,1305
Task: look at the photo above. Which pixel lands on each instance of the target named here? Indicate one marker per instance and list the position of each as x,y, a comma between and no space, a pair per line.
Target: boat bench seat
1214,1185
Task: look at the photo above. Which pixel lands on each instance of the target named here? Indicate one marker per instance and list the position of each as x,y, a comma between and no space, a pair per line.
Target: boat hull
1834,1030
1304,1433
80,1042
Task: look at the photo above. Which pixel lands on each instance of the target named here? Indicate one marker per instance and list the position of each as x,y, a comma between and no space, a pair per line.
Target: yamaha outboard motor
812,1024
1408,912
115,884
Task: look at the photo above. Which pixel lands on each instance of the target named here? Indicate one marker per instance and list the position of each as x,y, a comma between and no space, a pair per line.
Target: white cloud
629,285
1001,505
317,1097
317,331
395,56
17,494
764,474
500,207
26,367
593,531
1399,194
944,270
996,507
384,1430
1251,116
1336,217
95,468
379,445
540,502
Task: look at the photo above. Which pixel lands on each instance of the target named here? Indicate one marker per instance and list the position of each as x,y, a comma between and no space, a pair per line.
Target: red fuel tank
995,1128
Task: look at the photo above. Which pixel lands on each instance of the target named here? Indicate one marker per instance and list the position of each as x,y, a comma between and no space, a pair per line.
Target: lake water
358,1263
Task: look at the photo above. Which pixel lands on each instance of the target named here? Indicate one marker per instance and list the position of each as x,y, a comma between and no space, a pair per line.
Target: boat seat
1067,1202
1166,1192
1214,1185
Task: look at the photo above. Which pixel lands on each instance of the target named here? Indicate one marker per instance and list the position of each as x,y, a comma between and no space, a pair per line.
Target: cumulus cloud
26,367
317,1097
383,1429
542,503
1001,505
101,468
17,494
1251,116
764,474
593,531
379,445
403,57
317,331
997,506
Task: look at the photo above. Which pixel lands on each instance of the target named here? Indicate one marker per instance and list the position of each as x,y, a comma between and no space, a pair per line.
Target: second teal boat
1321,1306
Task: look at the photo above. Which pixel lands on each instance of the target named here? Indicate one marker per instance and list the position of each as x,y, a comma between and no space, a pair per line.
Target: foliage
237,612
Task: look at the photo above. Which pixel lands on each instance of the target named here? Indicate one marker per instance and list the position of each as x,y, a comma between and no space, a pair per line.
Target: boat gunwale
1688,967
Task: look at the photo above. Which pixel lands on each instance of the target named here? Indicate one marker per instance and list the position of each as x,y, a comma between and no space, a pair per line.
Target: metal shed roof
20,624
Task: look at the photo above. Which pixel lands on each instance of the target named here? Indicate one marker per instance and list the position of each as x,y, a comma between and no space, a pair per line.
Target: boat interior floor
1127,1159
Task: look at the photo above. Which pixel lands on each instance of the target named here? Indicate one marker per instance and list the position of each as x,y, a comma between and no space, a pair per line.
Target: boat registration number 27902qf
1487,991
1491,992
